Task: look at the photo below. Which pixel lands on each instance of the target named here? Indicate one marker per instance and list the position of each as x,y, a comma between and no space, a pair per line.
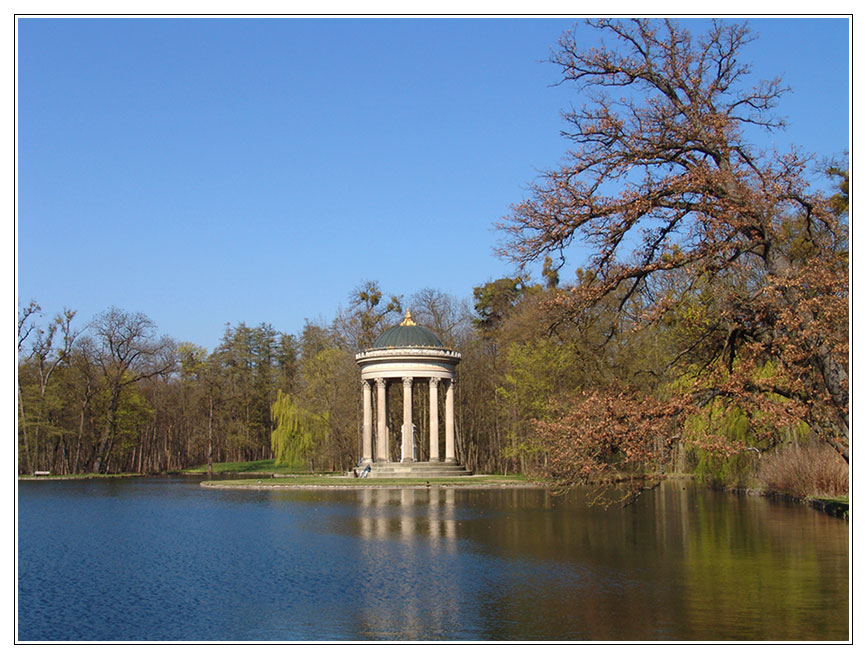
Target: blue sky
213,171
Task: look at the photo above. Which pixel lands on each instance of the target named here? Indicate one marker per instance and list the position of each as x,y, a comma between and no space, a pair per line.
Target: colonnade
382,449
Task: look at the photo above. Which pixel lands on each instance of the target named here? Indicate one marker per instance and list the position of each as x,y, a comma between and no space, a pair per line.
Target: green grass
343,481
836,506
841,499
255,467
301,477
57,477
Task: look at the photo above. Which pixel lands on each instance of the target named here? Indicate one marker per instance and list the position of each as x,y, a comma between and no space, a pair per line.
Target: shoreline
476,481
828,506
76,477
831,507
384,486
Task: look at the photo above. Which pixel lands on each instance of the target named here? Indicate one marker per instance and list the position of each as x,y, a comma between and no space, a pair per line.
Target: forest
707,333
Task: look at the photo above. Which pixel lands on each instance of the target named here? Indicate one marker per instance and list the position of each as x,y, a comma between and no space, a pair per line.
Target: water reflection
682,563
412,515
410,542
171,561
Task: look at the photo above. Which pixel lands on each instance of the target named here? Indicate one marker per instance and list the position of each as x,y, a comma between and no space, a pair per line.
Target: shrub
805,471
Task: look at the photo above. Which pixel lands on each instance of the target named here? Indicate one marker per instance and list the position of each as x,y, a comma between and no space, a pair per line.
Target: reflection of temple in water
423,524
413,515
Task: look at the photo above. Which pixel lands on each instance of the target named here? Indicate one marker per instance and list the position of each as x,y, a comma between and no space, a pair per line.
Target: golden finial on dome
407,320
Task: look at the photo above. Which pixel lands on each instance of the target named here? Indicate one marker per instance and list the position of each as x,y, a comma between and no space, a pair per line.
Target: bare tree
45,357
368,315
448,317
25,327
128,352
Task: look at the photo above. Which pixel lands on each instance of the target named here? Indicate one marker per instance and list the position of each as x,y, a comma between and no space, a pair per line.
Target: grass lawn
347,481
841,499
265,467
65,477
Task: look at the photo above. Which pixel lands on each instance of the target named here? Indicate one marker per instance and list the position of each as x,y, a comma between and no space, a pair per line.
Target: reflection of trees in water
680,563
777,566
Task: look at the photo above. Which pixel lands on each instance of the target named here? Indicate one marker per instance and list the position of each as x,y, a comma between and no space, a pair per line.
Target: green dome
408,335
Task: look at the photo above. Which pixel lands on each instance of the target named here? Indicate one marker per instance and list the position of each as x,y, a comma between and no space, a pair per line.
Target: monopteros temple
403,355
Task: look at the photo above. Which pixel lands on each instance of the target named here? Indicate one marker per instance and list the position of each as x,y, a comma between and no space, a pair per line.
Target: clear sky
212,171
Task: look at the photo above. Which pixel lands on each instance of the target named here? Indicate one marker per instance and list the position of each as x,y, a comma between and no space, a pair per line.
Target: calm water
163,559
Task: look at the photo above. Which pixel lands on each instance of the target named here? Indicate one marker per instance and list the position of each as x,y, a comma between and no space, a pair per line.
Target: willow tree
297,432
661,179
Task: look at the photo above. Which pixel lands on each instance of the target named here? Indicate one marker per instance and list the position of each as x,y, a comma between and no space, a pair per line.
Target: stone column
381,440
367,428
450,422
434,421
407,420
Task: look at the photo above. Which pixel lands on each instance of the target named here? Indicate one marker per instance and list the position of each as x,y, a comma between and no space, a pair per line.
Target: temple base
417,470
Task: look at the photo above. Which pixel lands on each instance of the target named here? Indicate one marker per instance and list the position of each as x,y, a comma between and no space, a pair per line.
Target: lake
163,559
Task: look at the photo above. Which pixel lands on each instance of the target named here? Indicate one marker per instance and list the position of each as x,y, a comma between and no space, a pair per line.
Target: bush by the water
806,471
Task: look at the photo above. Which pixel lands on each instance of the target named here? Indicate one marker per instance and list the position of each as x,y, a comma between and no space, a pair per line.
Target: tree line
709,327
114,396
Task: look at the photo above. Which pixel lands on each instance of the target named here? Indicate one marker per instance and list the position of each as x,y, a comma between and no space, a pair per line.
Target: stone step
396,466
420,474
416,467
417,470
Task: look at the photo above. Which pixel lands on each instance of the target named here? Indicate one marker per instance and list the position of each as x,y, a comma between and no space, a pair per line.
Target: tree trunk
28,462
104,448
210,436
166,451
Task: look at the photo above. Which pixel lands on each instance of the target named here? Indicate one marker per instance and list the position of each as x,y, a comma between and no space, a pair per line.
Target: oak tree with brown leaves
663,184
